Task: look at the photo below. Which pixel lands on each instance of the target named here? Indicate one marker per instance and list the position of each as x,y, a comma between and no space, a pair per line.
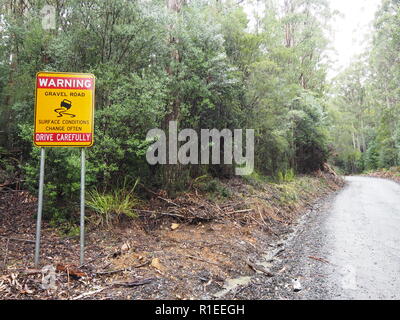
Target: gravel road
346,248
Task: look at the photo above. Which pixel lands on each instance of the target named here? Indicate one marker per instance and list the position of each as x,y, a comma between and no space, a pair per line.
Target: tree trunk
170,172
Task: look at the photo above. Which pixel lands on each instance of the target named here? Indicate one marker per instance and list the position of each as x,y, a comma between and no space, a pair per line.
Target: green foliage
205,67
256,180
286,88
214,187
110,207
65,227
287,176
365,111
62,180
9,167
309,133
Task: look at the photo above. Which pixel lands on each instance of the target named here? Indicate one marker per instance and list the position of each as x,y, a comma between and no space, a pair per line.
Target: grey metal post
40,207
82,206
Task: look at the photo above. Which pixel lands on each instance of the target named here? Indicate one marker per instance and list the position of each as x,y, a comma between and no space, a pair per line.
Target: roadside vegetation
177,231
201,63
392,173
365,108
184,247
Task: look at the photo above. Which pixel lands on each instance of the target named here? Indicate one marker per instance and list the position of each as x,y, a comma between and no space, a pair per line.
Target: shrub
287,176
108,208
212,186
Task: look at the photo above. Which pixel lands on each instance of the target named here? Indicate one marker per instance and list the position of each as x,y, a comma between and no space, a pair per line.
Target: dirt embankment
391,174
182,248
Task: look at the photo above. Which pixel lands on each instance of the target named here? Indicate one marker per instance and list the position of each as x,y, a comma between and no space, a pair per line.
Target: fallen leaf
125,247
175,226
155,263
26,290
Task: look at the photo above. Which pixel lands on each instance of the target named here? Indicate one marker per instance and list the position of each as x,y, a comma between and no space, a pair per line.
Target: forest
364,101
204,64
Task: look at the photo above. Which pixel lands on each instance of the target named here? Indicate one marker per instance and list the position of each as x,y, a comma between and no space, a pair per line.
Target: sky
350,30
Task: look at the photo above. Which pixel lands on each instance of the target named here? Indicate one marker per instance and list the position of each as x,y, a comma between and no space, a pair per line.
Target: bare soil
182,248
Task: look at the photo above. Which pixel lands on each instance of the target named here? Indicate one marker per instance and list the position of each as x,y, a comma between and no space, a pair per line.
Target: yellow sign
64,109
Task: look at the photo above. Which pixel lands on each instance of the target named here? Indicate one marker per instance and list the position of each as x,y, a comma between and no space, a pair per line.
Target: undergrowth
109,207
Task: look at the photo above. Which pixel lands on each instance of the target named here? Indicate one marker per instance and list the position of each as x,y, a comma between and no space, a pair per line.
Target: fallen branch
203,260
169,201
141,265
240,211
30,271
17,239
147,189
319,259
258,268
89,293
111,271
262,218
147,211
130,284
173,215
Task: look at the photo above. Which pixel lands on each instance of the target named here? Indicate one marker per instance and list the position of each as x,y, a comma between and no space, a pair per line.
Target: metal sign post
82,228
40,207
64,117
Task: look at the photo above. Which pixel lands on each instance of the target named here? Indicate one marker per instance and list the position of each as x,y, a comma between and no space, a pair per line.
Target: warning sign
64,109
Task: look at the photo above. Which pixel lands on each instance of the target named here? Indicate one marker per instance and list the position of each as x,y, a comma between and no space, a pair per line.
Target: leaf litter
189,247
